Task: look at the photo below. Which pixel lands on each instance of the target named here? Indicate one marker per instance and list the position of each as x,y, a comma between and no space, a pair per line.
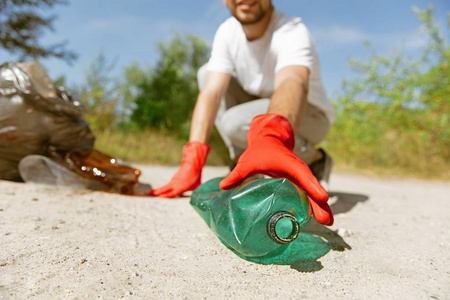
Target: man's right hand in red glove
188,176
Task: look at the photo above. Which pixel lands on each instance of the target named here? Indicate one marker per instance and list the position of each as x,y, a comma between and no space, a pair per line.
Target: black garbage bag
42,126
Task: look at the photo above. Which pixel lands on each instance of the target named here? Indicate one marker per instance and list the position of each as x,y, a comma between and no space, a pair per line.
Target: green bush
395,118
167,97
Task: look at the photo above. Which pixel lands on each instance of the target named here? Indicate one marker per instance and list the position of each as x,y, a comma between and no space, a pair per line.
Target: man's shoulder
284,21
230,23
230,29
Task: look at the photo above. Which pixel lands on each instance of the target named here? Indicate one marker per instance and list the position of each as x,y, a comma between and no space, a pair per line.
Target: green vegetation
392,120
395,118
154,146
22,24
146,117
167,97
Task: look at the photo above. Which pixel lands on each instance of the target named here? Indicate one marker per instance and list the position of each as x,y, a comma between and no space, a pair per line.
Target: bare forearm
290,100
207,105
203,117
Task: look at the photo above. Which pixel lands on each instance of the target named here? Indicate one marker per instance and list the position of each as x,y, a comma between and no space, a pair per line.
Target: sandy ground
390,240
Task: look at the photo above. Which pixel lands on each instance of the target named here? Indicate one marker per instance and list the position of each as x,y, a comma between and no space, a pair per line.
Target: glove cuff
271,125
195,153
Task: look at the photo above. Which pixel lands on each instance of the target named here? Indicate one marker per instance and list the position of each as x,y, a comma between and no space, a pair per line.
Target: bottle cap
271,227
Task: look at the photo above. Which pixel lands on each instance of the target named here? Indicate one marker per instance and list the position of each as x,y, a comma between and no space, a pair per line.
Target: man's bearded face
248,11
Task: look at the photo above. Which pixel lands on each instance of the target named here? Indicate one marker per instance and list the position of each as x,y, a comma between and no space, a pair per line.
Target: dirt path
390,240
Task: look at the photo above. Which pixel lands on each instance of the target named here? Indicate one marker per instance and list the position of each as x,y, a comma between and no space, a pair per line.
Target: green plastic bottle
258,219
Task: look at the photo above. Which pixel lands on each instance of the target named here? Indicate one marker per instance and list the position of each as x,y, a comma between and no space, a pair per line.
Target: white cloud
337,36
410,41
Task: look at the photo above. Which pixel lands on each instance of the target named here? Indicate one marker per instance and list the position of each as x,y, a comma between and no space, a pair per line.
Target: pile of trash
44,139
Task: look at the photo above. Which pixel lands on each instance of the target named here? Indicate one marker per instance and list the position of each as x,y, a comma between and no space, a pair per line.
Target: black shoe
321,169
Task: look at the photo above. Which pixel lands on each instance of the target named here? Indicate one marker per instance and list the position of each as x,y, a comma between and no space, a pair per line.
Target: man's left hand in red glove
270,139
270,142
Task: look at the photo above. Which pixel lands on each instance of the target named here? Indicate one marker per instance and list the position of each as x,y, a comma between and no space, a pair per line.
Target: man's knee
235,128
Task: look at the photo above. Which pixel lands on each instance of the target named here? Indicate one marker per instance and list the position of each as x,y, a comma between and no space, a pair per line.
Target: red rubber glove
270,140
189,174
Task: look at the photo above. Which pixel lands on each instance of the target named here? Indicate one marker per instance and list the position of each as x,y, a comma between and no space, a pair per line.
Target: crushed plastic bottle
88,168
258,219
98,166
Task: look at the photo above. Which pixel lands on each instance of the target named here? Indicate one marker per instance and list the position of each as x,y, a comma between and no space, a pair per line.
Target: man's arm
207,105
271,141
188,176
290,96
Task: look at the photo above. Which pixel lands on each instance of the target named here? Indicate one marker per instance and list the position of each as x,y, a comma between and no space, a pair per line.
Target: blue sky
128,31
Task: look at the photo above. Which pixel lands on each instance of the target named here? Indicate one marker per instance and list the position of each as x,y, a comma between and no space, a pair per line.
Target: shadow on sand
315,240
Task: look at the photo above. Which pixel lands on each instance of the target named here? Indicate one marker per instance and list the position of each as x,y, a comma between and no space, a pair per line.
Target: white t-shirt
286,42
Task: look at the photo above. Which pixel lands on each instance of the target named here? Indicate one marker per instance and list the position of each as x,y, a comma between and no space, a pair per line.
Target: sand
390,240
